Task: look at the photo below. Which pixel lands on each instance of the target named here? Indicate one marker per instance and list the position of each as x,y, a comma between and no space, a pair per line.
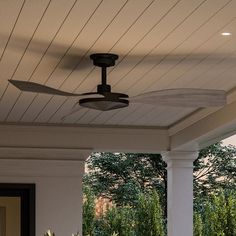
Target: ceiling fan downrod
104,60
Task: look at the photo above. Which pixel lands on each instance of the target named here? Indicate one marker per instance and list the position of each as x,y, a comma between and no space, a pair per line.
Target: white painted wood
180,192
69,31
200,114
33,10
159,31
58,191
44,153
96,138
166,73
102,17
173,44
134,29
207,130
162,44
148,80
9,11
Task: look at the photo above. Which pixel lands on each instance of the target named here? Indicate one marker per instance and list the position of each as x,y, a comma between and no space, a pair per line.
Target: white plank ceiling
161,44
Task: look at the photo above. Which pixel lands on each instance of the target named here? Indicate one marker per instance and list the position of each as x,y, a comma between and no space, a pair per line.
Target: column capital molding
180,158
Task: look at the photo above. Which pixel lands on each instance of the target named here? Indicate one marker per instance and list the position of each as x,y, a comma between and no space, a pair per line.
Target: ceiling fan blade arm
28,86
183,97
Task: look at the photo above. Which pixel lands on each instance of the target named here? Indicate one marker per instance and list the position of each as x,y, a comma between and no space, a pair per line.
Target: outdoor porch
167,45
56,164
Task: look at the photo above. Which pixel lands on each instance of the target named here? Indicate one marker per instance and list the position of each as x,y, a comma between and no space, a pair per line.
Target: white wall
58,191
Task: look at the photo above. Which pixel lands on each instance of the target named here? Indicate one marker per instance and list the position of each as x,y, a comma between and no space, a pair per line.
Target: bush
88,212
216,215
149,217
213,216
118,220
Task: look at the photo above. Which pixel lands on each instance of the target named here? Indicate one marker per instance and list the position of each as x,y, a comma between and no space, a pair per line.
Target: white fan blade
183,97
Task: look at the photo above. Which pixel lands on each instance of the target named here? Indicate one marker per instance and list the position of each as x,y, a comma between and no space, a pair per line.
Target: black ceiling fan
104,99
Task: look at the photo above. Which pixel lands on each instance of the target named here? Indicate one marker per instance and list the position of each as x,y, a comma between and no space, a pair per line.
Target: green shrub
119,220
88,212
216,215
149,216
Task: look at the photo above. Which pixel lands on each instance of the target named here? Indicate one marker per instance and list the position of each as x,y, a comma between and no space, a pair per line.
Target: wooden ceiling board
206,13
174,43
69,30
94,77
208,63
157,34
215,45
46,32
9,14
87,38
156,113
114,120
121,24
45,68
168,118
103,118
161,43
9,62
156,79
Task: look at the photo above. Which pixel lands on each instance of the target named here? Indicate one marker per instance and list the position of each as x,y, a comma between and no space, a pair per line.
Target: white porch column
180,192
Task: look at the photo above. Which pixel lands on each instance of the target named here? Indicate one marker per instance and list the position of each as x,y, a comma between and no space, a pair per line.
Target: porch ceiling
162,44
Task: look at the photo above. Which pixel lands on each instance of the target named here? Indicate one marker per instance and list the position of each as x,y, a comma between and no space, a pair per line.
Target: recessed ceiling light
225,33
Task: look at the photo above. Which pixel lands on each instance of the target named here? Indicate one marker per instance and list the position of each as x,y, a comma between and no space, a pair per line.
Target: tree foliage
213,216
216,215
123,176
149,215
88,211
144,219
215,169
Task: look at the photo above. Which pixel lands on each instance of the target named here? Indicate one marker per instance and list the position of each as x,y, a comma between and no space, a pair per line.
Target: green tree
216,215
215,169
198,224
117,220
149,216
123,176
88,212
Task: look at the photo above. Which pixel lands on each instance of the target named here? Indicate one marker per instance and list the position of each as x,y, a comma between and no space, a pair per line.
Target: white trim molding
119,139
44,153
212,128
41,168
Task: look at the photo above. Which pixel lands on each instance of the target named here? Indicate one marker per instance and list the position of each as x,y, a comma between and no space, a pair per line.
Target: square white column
180,192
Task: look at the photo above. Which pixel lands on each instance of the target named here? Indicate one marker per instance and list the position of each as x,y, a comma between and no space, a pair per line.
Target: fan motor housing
103,104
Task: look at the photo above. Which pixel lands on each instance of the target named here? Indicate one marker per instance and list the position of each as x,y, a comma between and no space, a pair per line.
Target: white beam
212,128
44,153
95,138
